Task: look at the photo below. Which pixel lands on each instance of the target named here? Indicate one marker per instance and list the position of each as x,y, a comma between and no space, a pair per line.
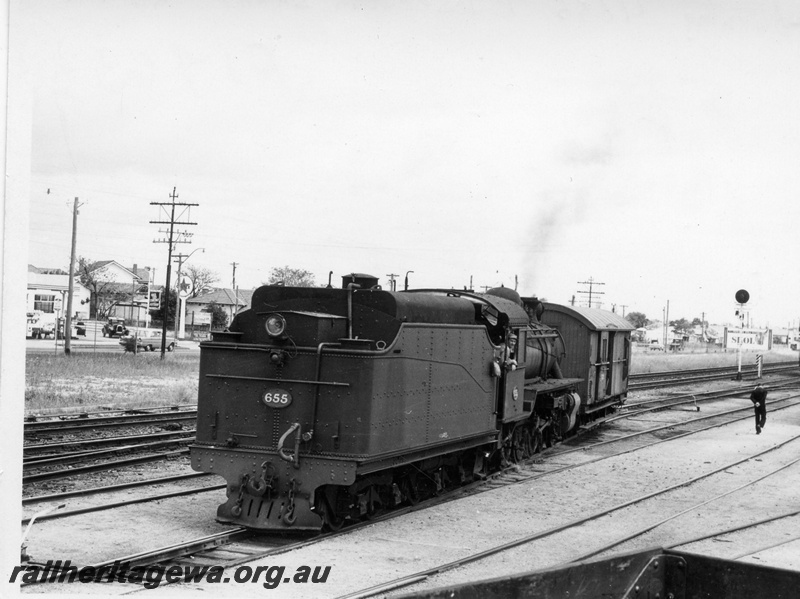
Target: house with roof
48,290
229,300
119,291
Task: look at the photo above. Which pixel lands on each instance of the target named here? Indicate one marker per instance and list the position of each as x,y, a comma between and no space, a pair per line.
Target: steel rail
652,380
684,400
656,429
87,455
34,448
178,549
427,573
765,548
727,369
725,531
651,526
80,412
186,548
125,502
498,479
31,478
60,426
111,488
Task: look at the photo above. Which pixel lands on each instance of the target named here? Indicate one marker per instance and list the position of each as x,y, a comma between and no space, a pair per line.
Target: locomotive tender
323,405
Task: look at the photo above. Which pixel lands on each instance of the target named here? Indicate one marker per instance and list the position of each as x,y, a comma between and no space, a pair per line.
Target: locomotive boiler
321,406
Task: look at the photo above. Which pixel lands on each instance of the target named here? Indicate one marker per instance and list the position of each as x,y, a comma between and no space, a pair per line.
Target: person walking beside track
759,399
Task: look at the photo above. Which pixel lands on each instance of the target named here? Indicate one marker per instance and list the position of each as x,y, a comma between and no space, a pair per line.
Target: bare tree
291,277
203,279
106,293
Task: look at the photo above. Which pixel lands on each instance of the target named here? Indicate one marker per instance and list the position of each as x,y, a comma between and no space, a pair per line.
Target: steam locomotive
321,406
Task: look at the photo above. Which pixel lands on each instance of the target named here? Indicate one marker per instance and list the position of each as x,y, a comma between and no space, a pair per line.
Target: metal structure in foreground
657,572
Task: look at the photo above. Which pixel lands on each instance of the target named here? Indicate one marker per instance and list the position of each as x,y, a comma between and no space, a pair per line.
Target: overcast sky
652,146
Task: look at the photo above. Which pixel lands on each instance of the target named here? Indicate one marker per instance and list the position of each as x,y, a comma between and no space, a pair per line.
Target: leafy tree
168,307
203,279
699,322
637,319
219,318
681,325
291,277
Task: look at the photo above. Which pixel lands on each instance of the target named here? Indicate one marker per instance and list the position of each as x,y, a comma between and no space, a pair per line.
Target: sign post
741,297
58,303
184,292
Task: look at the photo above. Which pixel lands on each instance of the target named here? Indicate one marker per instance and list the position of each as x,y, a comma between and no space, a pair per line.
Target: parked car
40,325
145,340
115,327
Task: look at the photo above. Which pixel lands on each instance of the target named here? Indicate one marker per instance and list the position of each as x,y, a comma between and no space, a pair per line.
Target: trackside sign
760,339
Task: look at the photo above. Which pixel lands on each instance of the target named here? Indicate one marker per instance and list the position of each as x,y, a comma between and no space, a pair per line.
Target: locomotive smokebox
360,279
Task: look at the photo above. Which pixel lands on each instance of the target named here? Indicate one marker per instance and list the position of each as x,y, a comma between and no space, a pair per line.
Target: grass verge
643,360
59,383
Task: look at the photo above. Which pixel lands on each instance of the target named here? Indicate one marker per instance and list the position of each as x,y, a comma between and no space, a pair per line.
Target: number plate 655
277,398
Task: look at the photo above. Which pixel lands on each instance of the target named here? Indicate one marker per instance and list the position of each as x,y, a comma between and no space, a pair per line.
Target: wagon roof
595,319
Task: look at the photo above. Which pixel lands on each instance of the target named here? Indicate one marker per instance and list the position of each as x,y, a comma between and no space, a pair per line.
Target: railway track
606,547
605,443
71,456
38,451
654,380
85,422
585,454
684,401
239,546
68,412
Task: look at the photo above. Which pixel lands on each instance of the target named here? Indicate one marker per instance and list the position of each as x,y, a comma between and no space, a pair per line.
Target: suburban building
229,300
48,289
118,291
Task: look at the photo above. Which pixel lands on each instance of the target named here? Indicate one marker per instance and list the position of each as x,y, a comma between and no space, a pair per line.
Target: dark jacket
759,396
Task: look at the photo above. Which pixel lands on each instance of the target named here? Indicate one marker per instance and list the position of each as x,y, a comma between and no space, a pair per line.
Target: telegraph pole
591,282
233,282
71,283
174,237
392,283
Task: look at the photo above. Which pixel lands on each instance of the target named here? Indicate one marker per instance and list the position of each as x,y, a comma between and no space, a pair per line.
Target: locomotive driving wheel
370,503
536,440
329,519
519,444
536,435
527,441
409,490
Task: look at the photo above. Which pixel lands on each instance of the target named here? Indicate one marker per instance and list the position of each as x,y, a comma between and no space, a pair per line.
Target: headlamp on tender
275,325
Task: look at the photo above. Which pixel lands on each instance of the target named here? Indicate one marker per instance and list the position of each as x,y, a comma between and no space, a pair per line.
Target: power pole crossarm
170,209
591,283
